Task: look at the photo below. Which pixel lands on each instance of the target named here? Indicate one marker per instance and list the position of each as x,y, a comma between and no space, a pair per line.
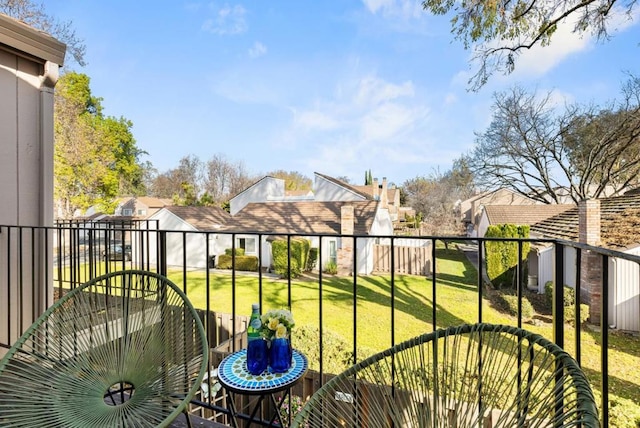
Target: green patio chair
122,350
477,375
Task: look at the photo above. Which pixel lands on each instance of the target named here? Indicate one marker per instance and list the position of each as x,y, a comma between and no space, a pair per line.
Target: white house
191,235
312,218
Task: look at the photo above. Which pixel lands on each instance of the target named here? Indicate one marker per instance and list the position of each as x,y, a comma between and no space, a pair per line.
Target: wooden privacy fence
407,260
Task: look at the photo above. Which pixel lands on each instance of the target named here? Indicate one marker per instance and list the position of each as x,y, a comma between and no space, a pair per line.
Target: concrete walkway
470,250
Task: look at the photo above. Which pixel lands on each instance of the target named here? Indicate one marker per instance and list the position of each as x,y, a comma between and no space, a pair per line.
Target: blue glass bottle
257,352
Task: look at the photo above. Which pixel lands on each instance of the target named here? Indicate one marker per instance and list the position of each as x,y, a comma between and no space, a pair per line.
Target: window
248,244
127,211
333,252
142,212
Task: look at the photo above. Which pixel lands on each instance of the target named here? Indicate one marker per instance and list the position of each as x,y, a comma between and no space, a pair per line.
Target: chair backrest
124,349
478,375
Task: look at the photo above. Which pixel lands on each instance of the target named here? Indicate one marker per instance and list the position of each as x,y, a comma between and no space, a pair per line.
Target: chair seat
126,349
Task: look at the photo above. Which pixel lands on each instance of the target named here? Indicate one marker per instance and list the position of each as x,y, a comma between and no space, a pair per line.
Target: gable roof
523,214
303,217
202,218
344,185
619,223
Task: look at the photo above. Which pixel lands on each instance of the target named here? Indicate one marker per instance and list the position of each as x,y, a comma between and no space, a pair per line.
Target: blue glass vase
280,355
257,356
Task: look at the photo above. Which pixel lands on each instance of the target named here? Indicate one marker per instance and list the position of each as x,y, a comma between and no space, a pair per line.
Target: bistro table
236,379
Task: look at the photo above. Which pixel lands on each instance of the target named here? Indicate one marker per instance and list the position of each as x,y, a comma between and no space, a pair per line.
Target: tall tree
499,31
293,180
543,152
33,14
224,178
95,157
435,198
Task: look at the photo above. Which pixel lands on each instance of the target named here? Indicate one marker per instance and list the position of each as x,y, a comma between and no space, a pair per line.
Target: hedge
299,256
244,263
502,256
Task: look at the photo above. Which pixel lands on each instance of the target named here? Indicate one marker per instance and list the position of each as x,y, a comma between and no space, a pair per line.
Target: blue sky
333,86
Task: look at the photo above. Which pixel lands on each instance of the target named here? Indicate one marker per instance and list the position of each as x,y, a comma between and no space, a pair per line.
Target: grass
412,314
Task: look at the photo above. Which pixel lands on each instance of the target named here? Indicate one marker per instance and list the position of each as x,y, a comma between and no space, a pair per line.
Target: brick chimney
591,265
384,201
345,252
375,189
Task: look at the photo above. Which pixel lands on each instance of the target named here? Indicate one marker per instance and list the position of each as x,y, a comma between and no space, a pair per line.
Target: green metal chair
477,375
126,349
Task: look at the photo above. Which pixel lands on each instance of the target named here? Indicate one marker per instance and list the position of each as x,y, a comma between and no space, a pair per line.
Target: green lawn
457,302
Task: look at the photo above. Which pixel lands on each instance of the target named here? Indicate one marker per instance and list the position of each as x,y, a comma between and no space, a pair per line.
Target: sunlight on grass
411,312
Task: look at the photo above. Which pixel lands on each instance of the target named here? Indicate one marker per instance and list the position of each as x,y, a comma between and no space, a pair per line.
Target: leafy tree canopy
95,157
499,31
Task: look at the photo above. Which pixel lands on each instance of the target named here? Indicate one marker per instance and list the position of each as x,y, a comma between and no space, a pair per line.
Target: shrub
299,256
244,263
331,268
622,411
569,294
313,258
569,314
502,256
238,251
337,352
569,303
510,304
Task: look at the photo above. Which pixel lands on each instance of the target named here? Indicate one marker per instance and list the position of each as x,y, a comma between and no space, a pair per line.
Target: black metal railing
38,264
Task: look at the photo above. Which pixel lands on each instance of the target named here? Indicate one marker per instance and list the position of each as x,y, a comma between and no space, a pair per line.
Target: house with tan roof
519,215
201,239
612,223
471,210
140,206
313,219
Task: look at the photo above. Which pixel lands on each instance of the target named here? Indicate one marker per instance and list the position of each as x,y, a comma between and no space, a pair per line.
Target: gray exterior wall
29,63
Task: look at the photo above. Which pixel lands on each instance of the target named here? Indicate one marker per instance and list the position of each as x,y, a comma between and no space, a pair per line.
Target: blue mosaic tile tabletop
233,374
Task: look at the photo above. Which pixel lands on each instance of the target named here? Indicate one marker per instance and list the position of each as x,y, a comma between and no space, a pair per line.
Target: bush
238,251
569,314
622,412
299,256
510,303
502,256
313,258
569,303
244,263
337,352
331,268
569,294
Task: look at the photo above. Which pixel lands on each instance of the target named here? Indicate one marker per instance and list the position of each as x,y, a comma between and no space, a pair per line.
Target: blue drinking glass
280,355
257,356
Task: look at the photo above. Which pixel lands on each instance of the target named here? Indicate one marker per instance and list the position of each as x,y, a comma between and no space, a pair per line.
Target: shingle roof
302,217
619,223
522,214
202,218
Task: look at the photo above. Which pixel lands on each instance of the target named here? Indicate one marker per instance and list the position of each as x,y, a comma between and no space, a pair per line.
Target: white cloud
404,9
373,91
538,60
227,20
314,121
387,122
257,50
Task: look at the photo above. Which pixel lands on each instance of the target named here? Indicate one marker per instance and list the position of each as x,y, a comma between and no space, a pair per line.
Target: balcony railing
371,304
